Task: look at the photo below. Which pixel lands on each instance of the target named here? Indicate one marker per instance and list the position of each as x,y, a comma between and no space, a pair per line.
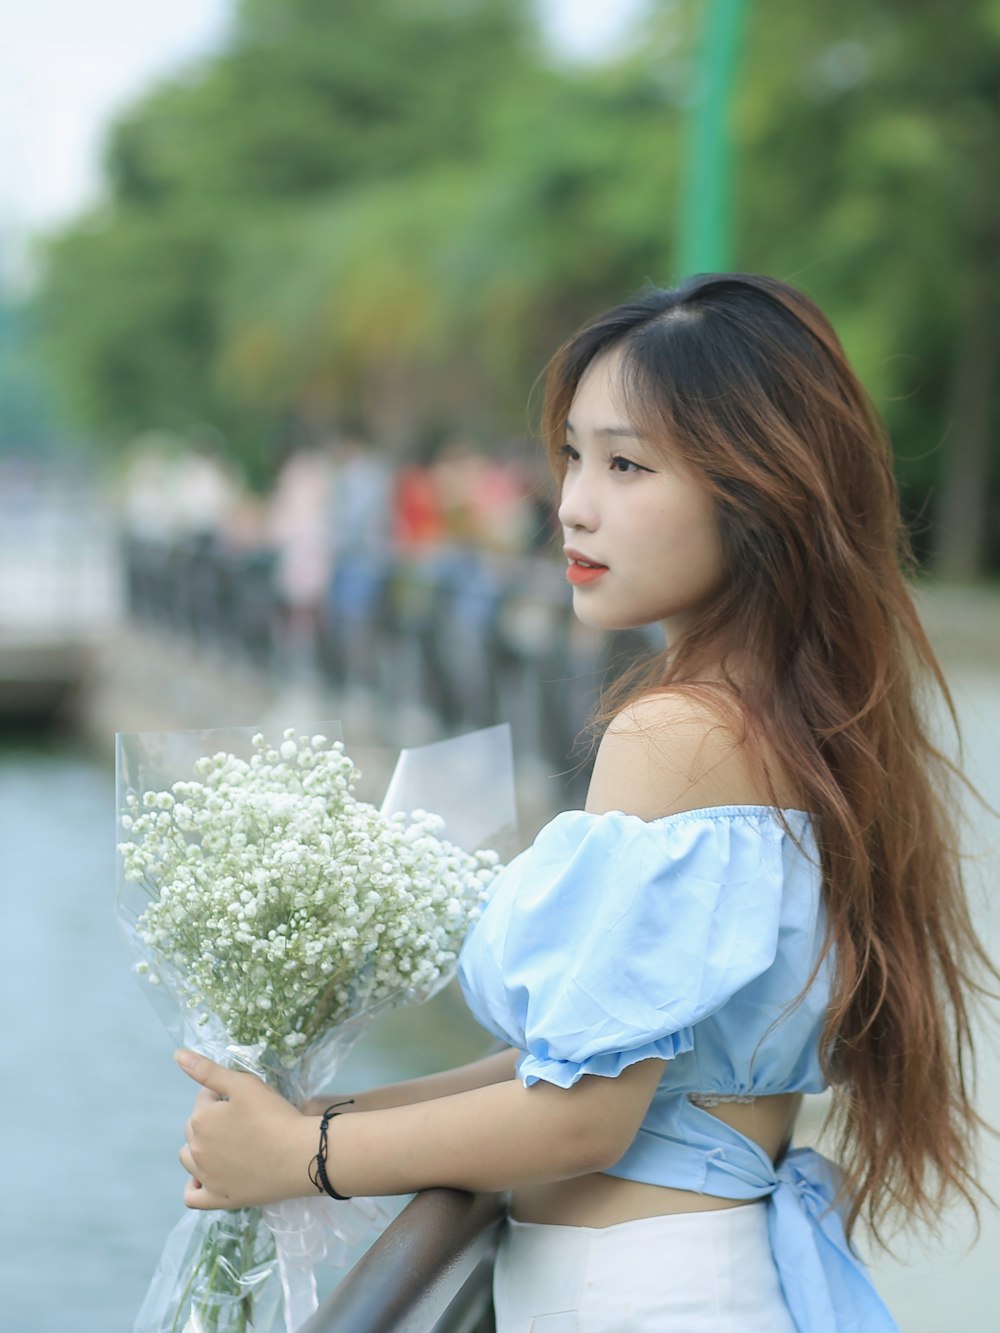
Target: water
92,1104
85,1103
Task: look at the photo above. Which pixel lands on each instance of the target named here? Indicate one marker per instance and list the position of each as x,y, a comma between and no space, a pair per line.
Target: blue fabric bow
826,1286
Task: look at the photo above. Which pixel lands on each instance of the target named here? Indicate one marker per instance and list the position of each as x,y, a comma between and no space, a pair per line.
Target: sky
68,66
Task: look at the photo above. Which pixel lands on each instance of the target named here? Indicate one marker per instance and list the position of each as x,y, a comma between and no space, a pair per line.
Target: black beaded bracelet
317,1167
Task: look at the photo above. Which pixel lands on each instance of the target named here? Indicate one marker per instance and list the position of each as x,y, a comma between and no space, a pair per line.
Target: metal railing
429,1272
59,576
468,637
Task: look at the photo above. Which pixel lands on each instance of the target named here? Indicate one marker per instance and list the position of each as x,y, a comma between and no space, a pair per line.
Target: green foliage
869,169
314,97
130,317
396,209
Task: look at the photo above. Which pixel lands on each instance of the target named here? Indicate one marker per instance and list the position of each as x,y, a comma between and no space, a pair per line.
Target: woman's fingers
209,1074
245,1144
207,1098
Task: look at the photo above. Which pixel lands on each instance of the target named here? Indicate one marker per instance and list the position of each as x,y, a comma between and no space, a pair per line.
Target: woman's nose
576,504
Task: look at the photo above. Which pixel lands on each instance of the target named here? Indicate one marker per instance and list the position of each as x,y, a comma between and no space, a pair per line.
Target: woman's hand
246,1145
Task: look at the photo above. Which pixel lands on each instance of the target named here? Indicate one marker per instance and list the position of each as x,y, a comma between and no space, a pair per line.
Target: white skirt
708,1272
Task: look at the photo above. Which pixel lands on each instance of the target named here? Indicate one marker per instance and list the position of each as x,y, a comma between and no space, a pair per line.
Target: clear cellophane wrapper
237,1271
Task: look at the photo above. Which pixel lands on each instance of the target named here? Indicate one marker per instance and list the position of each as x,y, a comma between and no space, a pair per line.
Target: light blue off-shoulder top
690,939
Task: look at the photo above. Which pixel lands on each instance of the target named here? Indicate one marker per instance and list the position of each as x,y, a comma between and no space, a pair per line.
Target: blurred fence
58,562
464,637
59,592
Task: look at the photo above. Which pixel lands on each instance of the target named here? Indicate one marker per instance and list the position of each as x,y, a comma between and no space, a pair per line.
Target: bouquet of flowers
273,914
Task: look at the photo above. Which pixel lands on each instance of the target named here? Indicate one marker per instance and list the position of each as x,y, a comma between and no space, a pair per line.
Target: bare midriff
599,1200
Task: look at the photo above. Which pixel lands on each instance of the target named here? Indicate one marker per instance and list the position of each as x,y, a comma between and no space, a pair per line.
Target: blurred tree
128,315
313,96
869,155
396,209
311,101
388,208
433,300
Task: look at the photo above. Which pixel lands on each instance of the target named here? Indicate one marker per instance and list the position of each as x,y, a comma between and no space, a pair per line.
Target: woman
761,897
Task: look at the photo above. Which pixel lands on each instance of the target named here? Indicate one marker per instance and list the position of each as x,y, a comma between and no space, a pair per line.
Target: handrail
451,644
429,1272
465,640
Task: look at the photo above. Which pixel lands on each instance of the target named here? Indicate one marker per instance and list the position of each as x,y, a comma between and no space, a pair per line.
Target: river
92,1104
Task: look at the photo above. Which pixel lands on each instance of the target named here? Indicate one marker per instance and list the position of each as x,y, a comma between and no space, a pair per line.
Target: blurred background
277,281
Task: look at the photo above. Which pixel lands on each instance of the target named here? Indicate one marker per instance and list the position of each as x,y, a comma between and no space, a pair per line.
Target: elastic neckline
707,812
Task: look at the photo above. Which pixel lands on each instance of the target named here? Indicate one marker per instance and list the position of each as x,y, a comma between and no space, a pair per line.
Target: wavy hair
823,651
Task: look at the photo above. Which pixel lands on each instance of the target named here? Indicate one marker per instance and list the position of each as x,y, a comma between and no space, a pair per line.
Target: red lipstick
580,572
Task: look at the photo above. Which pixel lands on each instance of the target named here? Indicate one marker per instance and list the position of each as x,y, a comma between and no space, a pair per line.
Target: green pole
703,243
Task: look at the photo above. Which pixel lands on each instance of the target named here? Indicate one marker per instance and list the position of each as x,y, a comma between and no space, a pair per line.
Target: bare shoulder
677,750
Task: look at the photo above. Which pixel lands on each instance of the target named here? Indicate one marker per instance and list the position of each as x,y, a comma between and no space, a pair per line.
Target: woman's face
639,527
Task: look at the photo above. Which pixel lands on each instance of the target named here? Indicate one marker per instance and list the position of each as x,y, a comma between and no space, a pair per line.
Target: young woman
761,897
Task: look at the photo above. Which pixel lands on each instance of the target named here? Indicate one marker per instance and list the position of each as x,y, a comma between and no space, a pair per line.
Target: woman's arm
246,1145
491,1069
476,1128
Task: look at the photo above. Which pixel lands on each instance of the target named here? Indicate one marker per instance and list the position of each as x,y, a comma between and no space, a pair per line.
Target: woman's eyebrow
614,432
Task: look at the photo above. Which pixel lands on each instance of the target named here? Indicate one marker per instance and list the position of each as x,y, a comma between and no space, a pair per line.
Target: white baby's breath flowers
283,905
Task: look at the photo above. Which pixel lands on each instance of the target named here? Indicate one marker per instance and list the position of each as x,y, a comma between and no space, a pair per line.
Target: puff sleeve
610,937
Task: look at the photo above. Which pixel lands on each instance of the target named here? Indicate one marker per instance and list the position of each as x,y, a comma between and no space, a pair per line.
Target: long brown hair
747,379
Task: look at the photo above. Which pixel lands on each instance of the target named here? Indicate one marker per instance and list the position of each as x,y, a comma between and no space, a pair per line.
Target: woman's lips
580,573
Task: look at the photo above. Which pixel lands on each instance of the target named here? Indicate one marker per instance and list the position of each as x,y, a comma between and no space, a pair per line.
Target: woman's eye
567,452
618,463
